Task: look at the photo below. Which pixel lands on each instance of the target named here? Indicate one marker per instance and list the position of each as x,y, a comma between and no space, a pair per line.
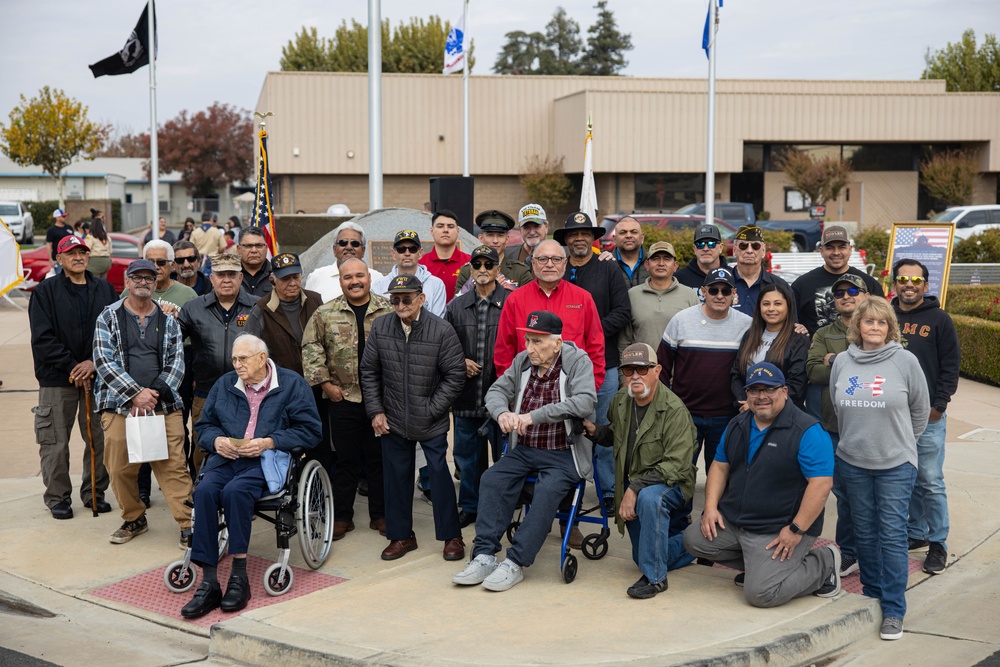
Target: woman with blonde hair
882,403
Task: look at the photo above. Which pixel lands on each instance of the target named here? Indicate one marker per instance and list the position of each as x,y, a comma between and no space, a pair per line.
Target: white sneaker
507,575
476,571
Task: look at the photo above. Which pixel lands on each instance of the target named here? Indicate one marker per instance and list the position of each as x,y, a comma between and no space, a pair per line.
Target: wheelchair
303,507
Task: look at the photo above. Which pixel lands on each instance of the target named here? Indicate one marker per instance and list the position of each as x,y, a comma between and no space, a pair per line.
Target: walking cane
93,454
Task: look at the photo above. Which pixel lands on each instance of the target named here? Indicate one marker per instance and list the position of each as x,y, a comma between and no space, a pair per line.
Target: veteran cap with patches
70,242
749,233
542,322
405,235
494,221
638,354
766,374
405,284
835,234
226,262
719,275
286,264
486,252
532,213
577,221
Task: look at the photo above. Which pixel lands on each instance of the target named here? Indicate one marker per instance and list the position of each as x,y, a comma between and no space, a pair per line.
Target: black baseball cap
719,275
405,284
543,322
286,264
707,231
406,235
486,252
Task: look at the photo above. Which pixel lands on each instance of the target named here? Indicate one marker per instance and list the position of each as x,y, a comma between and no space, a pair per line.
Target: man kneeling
654,440
536,401
764,498
252,418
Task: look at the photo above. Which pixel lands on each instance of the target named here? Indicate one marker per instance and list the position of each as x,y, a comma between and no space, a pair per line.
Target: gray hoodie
882,405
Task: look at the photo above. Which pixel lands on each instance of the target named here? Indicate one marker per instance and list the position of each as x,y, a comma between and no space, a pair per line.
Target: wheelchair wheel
569,569
314,515
274,583
179,578
595,545
511,529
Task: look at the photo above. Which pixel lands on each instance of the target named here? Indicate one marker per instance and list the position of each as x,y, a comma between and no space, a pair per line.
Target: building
649,139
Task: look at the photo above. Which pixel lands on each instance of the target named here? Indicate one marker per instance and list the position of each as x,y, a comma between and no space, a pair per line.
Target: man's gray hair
355,227
256,344
159,243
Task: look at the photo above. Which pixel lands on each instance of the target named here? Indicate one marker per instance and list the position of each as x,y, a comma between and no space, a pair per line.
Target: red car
124,250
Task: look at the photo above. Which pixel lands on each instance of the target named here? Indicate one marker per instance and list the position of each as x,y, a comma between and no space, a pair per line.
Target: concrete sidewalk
407,612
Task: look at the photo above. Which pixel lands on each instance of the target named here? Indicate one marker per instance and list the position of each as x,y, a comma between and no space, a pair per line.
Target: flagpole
374,105
154,153
465,89
713,18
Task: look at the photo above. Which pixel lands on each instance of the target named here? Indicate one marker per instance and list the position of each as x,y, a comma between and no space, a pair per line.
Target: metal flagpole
374,105
713,18
154,156
465,90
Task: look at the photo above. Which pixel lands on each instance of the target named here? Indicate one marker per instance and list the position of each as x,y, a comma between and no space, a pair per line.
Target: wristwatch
794,528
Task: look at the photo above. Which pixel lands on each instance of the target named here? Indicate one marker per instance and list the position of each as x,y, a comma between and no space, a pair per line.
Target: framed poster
931,244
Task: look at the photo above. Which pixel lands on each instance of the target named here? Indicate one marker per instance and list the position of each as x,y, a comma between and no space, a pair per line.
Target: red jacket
574,306
446,269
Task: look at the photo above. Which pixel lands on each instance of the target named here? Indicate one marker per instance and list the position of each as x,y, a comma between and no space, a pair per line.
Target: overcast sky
220,50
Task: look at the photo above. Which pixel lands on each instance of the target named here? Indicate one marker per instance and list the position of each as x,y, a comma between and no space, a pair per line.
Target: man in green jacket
654,441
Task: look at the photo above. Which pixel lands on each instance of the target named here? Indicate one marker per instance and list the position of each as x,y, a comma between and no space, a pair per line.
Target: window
753,157
973,218
796,201
667,192
882,157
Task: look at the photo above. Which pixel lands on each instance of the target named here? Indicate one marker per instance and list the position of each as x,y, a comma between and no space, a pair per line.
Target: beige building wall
878,197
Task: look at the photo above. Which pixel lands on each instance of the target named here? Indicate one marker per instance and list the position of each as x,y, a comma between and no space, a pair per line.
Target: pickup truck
805,233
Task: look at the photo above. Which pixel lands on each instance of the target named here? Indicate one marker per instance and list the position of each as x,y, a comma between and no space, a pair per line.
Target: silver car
22,226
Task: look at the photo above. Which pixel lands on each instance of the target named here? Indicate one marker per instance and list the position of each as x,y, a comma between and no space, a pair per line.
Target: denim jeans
709,435
880,500
845,524
468,447
605,455
814,398
653,549
929,503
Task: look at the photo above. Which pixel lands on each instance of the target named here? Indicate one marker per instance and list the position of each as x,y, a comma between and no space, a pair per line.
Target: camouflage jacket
330,344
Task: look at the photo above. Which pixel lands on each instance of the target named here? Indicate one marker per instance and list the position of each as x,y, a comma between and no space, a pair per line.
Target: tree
50,131
606,46
121,142
544,182
950,176
965,67
819,179
520,54
563,45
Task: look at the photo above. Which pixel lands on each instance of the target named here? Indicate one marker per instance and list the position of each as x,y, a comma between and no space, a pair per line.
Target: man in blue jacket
253,417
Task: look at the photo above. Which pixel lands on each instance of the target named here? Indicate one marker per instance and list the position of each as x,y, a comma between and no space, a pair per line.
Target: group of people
547,346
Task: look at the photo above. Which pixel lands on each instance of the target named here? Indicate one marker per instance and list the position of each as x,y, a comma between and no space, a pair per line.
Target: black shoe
426,496
643,590
205,599
63,510
740,579
704,561
144,497
363,488
609,506
913,544
237,593
937,559
466,518
103,507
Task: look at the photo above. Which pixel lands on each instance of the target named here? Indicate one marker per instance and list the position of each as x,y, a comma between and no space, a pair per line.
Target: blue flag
704,36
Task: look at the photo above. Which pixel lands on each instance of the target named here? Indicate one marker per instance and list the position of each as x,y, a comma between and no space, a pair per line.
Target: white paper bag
146,436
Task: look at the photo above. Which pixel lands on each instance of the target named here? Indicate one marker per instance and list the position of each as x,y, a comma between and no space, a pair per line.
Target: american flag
936,236
263,211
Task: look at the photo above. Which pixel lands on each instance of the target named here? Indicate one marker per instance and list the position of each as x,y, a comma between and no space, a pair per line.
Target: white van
971,220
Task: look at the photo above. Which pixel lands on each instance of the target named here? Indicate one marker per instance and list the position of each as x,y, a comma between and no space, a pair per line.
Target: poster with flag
454,48
135,53
263,211
588,193
707,36
931,244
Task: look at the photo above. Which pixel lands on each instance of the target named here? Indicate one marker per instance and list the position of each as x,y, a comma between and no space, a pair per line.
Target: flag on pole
263,212
705,40
454,48
588,193
135,53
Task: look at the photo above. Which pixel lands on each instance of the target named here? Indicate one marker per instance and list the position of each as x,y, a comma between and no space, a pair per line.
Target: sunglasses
186,260
479,264
841,293
407,249
405,300
629,371
714,291
904,280
161,262
701,245
343,243
743,245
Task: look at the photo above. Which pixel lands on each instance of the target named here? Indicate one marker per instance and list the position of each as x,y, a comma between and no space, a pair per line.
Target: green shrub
875,242
982,301
682,241
979,340
41,213
983,247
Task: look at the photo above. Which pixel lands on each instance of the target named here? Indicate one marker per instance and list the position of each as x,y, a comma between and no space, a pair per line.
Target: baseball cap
494,221
543,322
226,262
851,279
766,374
70,242
638,354
406,235
405,284
661,246
140,265
532,213
486,252
834,234
58,213
286,264
749,233
719,275
707,231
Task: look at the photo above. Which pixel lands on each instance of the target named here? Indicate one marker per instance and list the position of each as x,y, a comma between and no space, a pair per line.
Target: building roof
130,168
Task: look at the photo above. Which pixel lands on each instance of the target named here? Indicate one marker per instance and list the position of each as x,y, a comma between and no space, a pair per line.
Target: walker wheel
595,546
569,569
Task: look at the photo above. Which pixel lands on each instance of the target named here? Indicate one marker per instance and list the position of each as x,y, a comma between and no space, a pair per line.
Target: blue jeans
814,398
880,500
653,549
929,503
467,448
606,455
710,431
845,524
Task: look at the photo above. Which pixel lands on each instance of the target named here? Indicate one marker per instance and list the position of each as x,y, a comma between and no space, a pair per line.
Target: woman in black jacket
772,338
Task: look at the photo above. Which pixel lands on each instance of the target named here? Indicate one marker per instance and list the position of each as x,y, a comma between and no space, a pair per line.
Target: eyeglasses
343,243
143,279
161,262
701,245
743,245
841,293
485,263
916,280
765,391
243,358
186,260
628,371
253,246
407,249
549,260
405,300
714,291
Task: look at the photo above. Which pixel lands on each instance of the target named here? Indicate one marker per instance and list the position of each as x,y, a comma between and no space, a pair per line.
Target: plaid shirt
114,387
542,390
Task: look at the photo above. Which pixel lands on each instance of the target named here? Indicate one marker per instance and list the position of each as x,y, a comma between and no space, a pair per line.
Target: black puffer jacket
462,315
416,381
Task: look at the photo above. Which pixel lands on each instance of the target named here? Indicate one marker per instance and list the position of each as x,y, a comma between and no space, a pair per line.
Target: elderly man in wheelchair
253,417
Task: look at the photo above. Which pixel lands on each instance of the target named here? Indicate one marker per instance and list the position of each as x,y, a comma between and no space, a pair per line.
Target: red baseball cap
69,243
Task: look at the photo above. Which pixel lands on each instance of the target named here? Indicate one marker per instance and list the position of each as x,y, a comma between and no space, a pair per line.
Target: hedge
983,247
41,213
979,340
982,301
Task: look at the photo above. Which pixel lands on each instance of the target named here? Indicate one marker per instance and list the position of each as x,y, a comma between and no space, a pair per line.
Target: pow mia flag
134,54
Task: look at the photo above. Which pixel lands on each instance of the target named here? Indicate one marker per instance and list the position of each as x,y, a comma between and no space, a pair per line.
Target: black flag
134,54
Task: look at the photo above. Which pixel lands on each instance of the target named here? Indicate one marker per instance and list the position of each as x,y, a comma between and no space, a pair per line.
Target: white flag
454,48
588,194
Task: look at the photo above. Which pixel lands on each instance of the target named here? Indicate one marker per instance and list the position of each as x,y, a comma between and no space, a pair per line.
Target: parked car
666,221
18,218
971,220
124,250
806,234
733,212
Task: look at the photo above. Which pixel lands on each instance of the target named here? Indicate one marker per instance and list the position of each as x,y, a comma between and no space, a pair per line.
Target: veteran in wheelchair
254,417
